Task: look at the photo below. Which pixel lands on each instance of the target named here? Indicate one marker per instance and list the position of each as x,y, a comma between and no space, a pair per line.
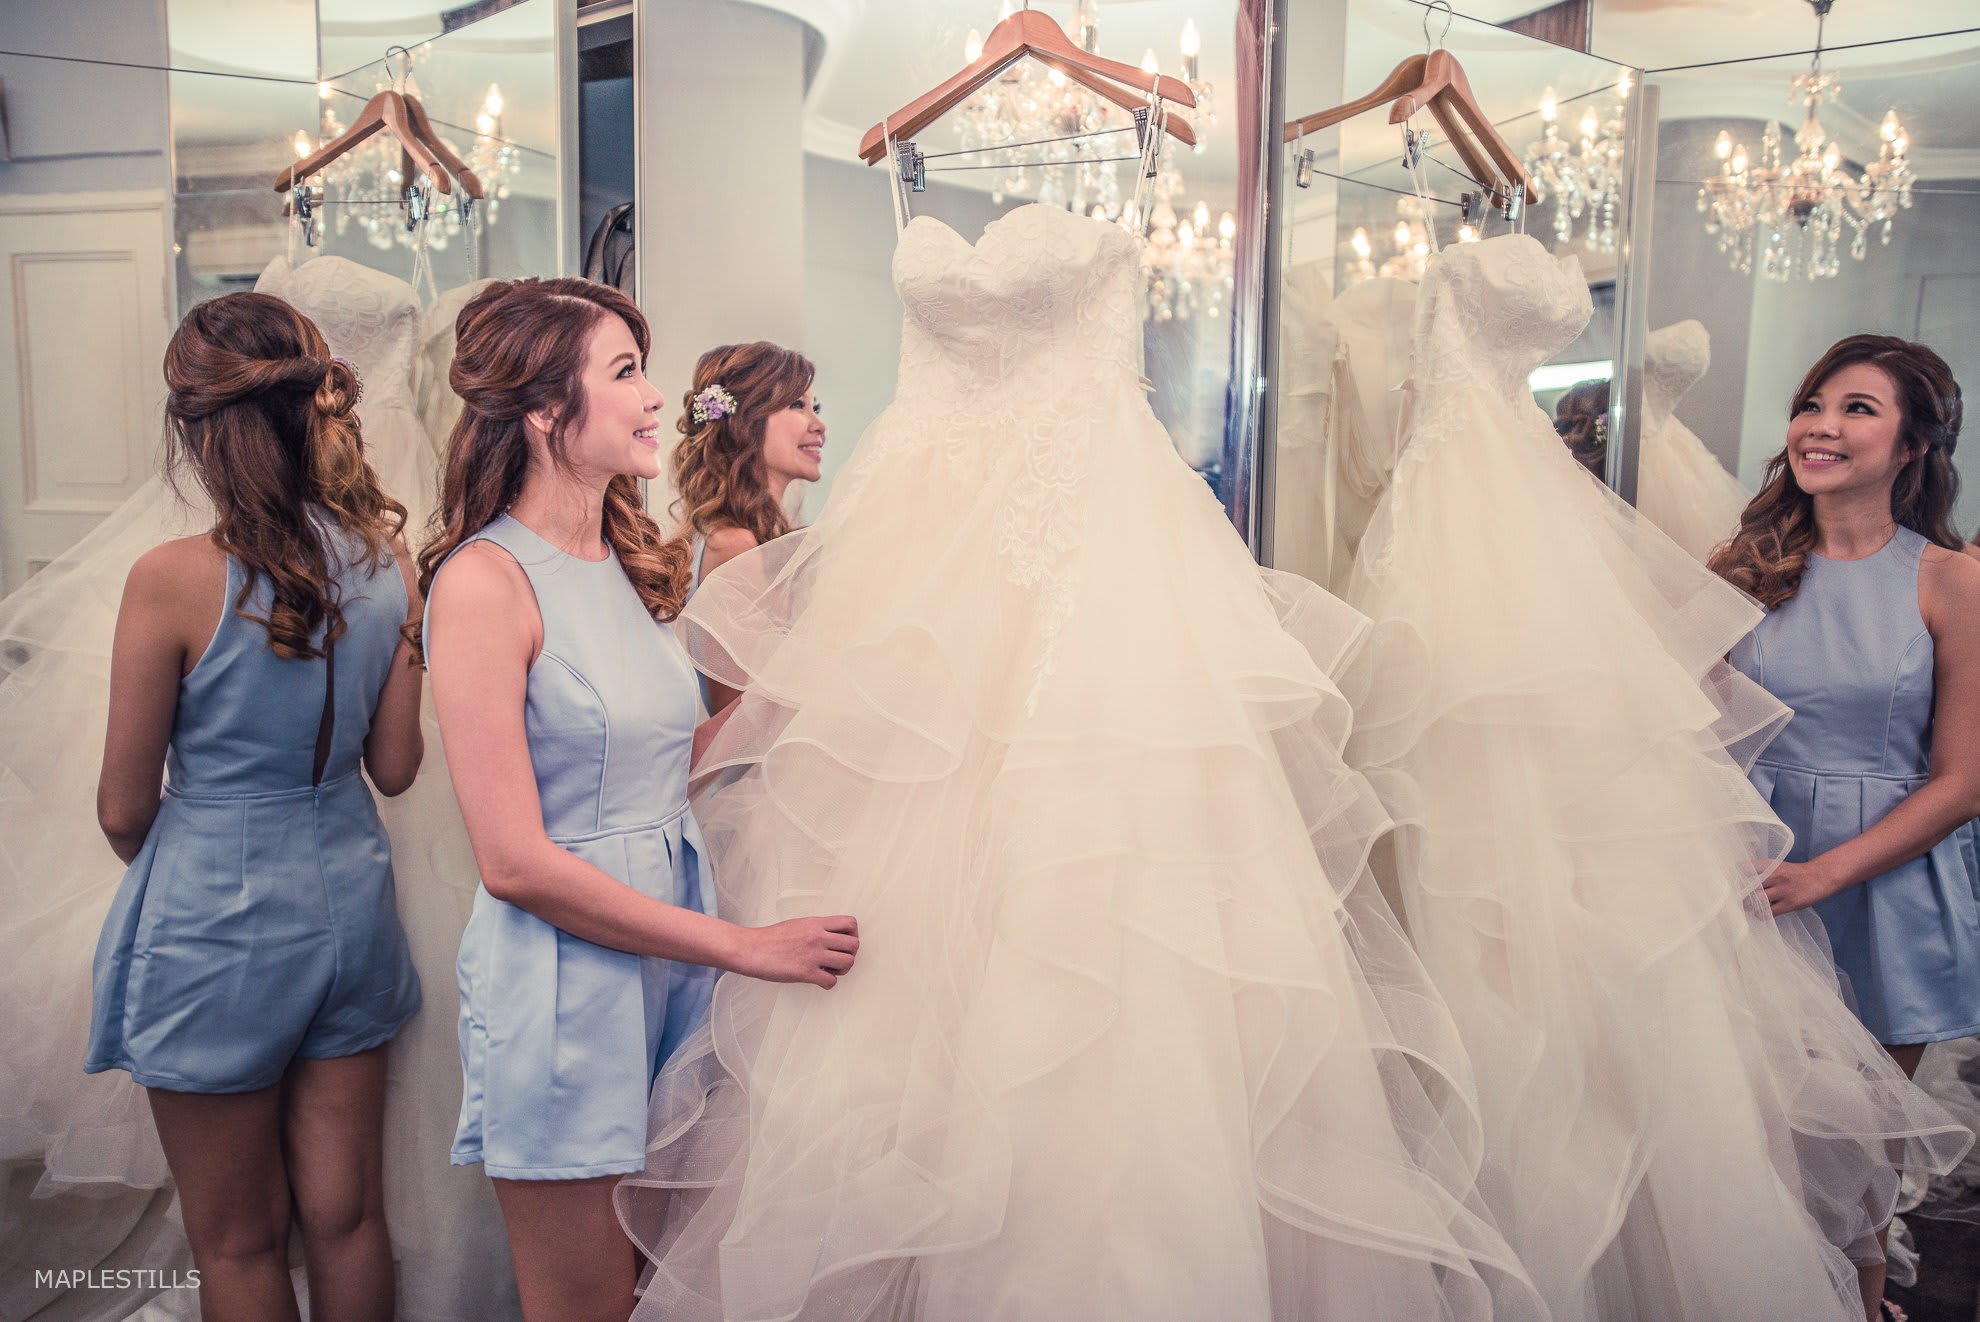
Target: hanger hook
399,79
1450,16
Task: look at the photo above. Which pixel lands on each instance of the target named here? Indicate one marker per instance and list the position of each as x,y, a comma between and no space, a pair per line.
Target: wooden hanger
1445,89
1436,82
387,110
470,184
1028,32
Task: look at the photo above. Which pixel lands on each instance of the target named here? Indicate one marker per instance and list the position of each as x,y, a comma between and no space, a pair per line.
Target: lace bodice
370,319
1491,312
1038,310
1676,357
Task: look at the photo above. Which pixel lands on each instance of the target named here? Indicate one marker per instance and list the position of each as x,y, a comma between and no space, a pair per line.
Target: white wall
80,128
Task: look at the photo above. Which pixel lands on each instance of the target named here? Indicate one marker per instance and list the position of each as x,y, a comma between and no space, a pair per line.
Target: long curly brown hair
262,418
718,465
521,348
1769,553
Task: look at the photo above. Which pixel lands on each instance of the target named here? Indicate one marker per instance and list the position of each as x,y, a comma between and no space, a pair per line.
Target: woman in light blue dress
252,967
567,708
752,425
1873,637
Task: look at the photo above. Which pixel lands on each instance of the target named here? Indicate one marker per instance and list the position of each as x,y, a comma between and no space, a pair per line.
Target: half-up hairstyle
1581,420
520,348
263,419
1769,553
718,465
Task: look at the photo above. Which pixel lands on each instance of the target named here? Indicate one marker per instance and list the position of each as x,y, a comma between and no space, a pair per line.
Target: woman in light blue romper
252,967
568,710
1872,636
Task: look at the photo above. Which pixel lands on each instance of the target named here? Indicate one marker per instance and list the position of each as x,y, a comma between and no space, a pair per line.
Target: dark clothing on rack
608,258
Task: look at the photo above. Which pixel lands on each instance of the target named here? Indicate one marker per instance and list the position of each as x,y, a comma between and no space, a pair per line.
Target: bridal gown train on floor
57,876
1127,1038
1682,1118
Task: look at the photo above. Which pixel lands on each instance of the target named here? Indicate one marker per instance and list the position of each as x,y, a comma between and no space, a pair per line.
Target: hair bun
339,389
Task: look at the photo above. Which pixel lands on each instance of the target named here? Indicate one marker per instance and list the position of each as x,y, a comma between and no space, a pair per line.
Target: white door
83,323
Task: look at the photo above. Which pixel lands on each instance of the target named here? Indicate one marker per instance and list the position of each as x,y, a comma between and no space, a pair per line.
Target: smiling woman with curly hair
751,427
1872,636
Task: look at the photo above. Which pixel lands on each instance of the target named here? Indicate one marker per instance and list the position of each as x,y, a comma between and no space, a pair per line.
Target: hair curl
521,348
1769,553
1580,420
719,469
263,419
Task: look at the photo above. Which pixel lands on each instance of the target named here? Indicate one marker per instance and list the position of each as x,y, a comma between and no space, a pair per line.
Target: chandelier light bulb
1362,248
1901,144
303,144
1466,234
1227,227
1831,157
1200,217
1185,235
1625,83
1591,123
492,102
323,91
1550,105
1055,77
1192,40
1004,10
1890,129
972,47
1722,147
1149,64
1738,161
1402,234
484,124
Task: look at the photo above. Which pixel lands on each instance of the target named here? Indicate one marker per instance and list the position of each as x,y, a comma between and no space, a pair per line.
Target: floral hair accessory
1602,428
714,404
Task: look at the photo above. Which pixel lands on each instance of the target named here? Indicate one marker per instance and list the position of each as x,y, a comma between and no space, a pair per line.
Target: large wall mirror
1879,237
1358,229
765,223
261,85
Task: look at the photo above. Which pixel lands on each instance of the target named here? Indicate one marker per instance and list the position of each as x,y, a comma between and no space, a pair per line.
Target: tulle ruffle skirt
1129,1036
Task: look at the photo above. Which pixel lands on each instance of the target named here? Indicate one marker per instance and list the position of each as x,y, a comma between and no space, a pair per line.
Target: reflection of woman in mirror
1873,637
252,969
751,427
1581,418
586,960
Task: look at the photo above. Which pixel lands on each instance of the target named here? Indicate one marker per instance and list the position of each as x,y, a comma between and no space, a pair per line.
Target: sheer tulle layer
1126,1037
1682,1117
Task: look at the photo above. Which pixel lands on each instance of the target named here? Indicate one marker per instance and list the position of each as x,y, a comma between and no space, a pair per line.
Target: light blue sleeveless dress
259,922
561,1038
700,544
1850,654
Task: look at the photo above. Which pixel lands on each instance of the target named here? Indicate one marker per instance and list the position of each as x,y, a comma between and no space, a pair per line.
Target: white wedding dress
1343,360
1681,486
1128,1037
94,1132
1682,1118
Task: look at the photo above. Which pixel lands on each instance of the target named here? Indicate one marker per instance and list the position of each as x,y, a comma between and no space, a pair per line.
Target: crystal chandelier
362,184
1794,212
1405,249
1189,266
1584,177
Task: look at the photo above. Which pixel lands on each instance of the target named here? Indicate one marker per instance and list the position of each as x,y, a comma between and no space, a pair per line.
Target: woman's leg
333,1120
573,1262
1870,1278
225,1151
